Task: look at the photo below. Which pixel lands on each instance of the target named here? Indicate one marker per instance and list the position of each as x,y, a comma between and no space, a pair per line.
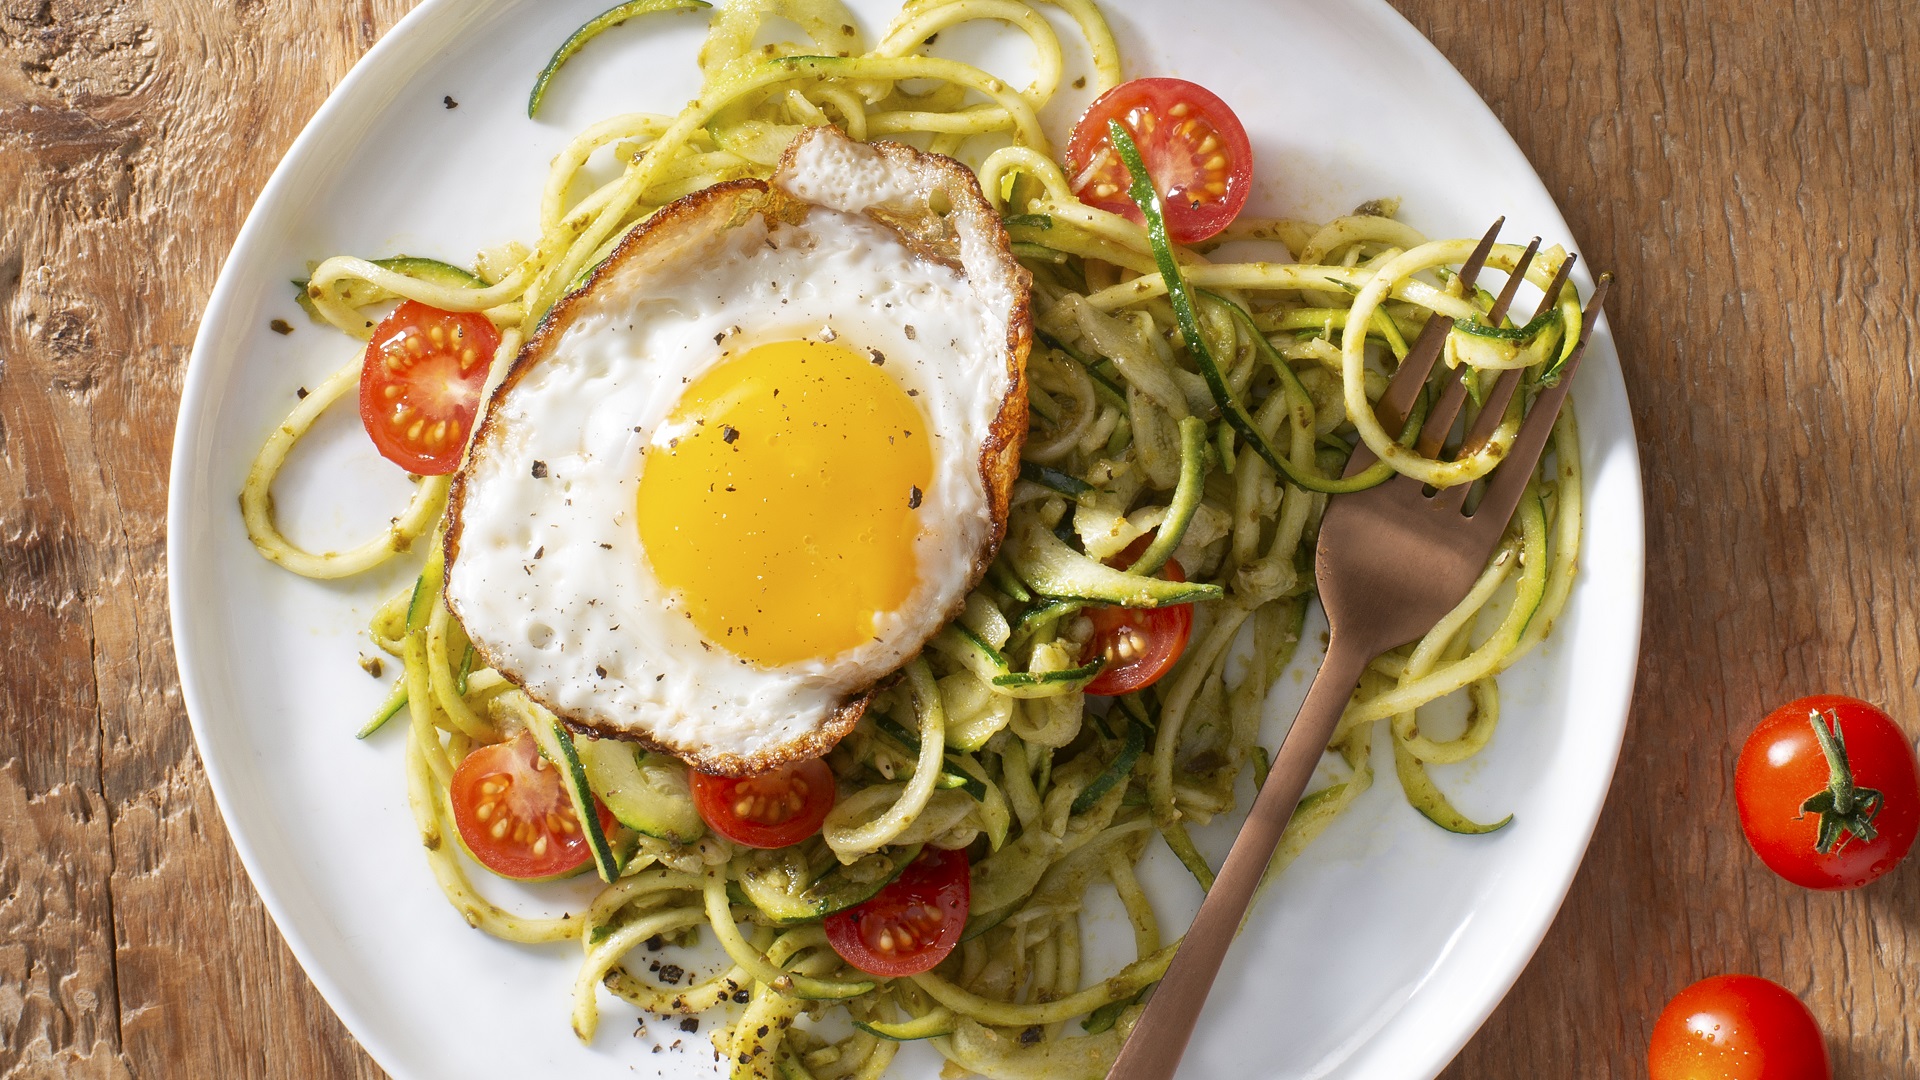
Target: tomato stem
1844,809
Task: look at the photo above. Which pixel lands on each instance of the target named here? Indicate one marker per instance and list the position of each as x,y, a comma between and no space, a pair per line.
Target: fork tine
1433,435
1397,402
1552,294
1513,282
1440,421
1509,479
1494,408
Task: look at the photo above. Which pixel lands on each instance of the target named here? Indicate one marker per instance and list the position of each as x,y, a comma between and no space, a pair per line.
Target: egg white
546,570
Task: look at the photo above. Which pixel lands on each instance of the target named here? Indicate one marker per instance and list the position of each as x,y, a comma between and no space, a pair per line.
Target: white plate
1384,947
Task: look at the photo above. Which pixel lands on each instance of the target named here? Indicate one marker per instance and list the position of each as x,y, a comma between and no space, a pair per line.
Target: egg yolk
780,499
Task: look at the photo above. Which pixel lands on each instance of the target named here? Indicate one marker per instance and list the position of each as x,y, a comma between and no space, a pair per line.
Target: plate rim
363,79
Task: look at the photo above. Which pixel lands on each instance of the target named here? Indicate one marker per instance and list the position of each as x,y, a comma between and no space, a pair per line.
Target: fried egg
750,467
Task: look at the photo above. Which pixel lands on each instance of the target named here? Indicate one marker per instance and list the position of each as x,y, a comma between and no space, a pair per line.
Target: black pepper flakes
656,943
670,974
281,327
741,997
600,670
913,498
1030,1036
301,393
879,358
690,1023
448,102
539,470
762,1033
728,433
540,552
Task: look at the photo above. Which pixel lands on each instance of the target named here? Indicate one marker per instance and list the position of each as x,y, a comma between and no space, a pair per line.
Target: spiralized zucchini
990,741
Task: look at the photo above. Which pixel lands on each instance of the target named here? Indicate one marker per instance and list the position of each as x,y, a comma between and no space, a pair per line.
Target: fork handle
1153,1050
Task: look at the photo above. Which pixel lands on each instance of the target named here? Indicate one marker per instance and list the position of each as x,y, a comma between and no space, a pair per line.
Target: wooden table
1749,172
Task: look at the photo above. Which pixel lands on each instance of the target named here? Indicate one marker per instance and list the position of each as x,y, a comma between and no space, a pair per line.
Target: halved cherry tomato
772,810
513,814
1193,146
420,384
1139,644
1737,1027
1832,816
912,924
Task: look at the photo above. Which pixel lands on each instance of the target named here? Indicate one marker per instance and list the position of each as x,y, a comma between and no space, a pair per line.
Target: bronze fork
1391,561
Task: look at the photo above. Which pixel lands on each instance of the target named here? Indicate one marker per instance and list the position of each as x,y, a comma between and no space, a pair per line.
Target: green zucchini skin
593,28
939,1022
1065,483
413,266
1051,568
788,902
1133,744
1432,803
949,777
648,793
556,745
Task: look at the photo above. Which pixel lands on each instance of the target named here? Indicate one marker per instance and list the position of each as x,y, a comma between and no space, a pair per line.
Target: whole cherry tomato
1829,792
1737,1027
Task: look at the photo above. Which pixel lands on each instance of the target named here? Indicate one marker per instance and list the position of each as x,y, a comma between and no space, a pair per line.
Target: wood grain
1749,172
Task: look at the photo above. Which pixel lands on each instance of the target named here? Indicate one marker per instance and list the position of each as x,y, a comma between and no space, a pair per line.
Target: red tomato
1737,1027
768,811
513,814
1139,644
1193,146
912,924
420,384
1791,789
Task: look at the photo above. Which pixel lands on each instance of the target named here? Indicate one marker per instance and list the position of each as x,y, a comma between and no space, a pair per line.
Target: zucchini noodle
1222,450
